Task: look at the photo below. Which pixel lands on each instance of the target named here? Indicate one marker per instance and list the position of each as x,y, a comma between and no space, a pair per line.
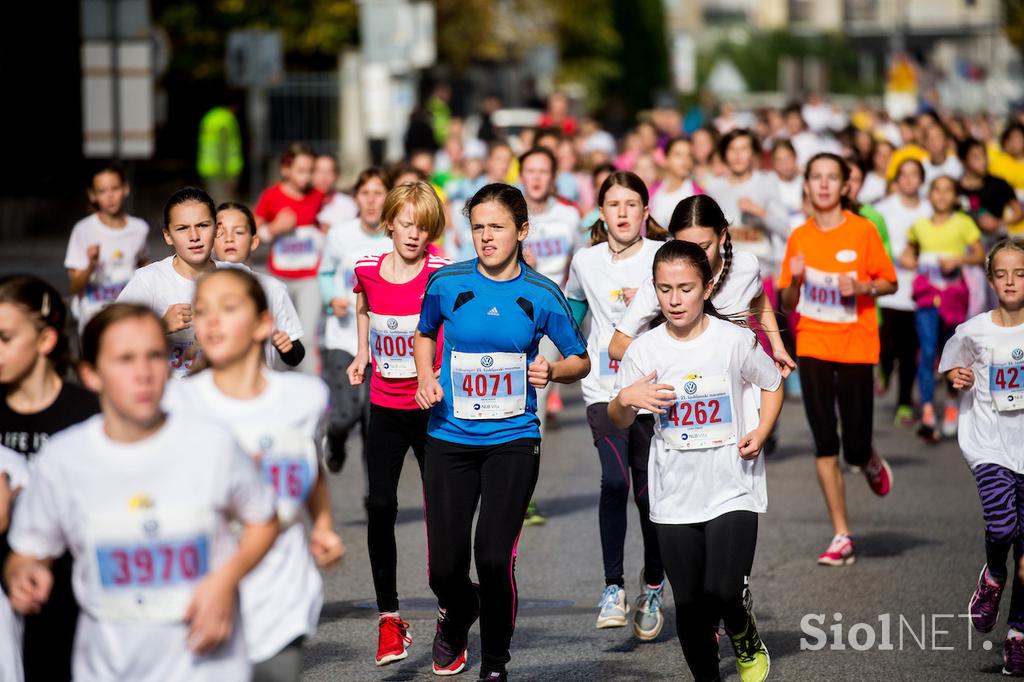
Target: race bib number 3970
488,385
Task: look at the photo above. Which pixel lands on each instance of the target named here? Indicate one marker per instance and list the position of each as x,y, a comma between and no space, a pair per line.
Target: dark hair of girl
543,151
676,249
913,162
732,136
509,197
845,202
674,141
184,196
44,306
632,182
964,147
92,335
702,211
241,208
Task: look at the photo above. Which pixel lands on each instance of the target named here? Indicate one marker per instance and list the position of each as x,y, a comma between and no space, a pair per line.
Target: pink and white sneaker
839,552
879,475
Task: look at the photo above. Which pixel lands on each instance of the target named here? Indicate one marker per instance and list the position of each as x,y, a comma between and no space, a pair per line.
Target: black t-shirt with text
50,633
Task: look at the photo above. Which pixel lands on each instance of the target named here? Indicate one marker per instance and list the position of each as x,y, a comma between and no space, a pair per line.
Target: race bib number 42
149,563
821,300
488,385
701,416
391,338
1006,378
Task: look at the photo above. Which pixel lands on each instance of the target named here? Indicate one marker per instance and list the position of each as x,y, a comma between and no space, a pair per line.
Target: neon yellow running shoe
752,659
533,515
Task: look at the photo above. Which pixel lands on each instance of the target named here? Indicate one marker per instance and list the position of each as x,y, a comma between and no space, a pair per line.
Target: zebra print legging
1002,506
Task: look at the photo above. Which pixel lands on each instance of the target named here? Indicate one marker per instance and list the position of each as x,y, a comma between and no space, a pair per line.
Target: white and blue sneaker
613,608
647,616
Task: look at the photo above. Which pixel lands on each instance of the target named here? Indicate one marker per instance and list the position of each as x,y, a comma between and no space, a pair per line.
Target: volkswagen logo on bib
690,387
392,324
150,527
486,361
266,442
1017,354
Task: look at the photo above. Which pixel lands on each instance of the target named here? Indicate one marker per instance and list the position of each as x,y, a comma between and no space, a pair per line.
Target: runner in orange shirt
835,266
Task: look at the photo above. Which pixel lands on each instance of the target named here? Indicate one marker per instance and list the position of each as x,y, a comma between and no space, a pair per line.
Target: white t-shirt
987,435
121,250
734,297
152,513
346,244
159,286
762,190
806,144
283,427
341,208
663,203
791,192
286,318
725,364
950,166
553,239
594,278
898,219
14,465
873,190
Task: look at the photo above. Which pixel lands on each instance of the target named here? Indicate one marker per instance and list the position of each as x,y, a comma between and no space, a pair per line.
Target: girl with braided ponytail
736,292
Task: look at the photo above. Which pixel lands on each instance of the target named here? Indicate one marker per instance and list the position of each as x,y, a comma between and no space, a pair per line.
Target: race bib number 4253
1006,378
701,417
488,385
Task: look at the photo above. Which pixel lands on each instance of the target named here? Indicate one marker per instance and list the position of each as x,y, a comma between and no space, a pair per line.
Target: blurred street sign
398,33
684,63
254,59
117,80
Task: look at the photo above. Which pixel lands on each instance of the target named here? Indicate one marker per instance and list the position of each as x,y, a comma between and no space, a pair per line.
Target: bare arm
618,345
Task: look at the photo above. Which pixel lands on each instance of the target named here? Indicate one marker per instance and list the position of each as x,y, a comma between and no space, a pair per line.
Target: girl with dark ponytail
35,402
736,289
631,181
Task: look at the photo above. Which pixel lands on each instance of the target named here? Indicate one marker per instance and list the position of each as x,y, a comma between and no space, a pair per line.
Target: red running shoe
393,640
879,475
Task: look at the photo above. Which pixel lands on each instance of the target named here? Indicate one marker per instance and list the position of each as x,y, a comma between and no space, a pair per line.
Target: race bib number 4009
488,385
148,563
701,416
391,338
1006,378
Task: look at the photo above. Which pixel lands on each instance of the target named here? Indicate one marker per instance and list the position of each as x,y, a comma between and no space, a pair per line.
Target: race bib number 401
488,385
701,416
391,338
820,298
1006,378
148,563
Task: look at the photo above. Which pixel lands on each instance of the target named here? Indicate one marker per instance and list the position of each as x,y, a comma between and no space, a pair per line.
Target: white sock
390,614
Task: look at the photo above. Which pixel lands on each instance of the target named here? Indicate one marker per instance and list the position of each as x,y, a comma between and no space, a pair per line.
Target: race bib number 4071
488,385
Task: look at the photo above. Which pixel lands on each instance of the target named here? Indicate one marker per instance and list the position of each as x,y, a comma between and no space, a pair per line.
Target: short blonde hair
427,210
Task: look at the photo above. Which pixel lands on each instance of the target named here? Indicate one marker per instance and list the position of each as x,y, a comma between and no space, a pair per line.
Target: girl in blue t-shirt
483,440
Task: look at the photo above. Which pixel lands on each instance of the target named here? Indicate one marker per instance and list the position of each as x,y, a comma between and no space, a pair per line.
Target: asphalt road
919,554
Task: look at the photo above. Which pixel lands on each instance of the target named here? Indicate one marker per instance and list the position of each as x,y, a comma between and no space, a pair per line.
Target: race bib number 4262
701,417
488,385
1006,378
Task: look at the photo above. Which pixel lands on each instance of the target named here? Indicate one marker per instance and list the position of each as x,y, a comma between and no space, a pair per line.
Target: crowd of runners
168,429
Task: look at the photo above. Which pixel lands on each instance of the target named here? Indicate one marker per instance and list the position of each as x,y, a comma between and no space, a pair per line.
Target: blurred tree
642,53
588,48
314,31
1013,23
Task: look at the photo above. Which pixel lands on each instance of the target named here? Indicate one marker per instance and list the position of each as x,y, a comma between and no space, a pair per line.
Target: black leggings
501,478
624,455
391,432
850,385
707,565
898,335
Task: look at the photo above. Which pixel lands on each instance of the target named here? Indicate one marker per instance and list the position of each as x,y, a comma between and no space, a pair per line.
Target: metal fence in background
304,108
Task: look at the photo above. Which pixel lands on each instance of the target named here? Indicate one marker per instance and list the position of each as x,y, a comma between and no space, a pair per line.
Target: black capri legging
851,385
707,565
